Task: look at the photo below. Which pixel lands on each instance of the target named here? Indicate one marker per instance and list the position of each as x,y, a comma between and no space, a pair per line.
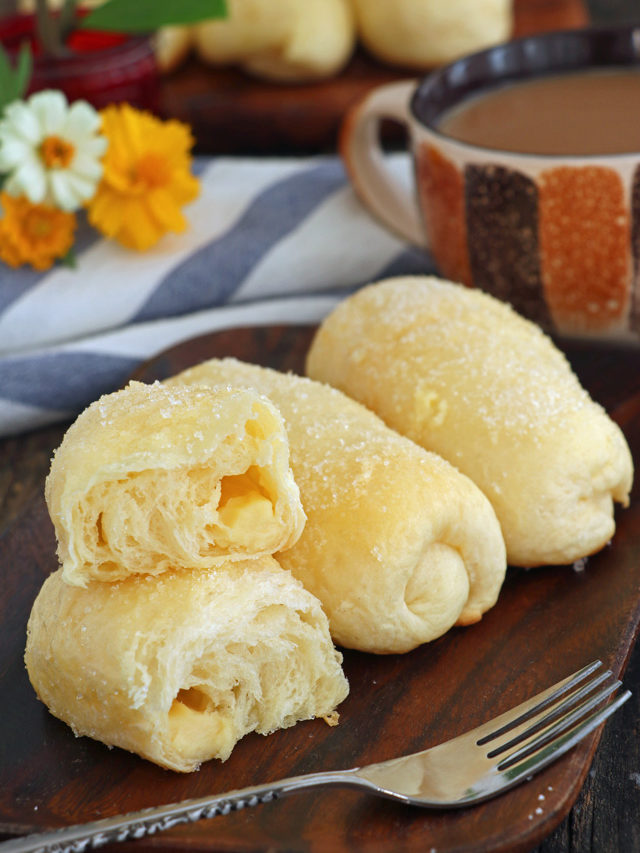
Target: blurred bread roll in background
424,33
304,40
463,375
150,478
172,45
398,545
286,40
179,667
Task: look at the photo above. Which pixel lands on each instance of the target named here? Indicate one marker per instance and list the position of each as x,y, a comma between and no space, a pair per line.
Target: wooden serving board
547,623
233,113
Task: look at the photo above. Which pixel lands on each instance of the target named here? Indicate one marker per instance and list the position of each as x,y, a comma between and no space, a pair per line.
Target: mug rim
522,60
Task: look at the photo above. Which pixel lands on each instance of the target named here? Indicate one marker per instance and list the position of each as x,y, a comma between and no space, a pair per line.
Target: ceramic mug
557,236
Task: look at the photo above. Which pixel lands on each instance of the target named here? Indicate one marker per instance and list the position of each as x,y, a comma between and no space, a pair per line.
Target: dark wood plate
547,623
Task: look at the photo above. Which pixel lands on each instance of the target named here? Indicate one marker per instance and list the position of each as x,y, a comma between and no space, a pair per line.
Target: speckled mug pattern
562,246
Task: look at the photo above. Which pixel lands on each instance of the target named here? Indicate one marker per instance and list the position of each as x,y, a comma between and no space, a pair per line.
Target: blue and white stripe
269,241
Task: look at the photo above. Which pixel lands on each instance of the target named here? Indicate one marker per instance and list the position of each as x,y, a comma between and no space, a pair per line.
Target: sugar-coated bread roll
425,33
286,40
463,375
149,478
398,546
177,668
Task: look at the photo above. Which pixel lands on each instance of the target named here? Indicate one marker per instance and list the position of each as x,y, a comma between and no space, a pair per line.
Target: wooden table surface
606,815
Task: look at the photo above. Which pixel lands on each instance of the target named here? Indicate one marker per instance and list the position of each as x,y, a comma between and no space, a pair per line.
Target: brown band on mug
501,213
634,314
441,190
586,265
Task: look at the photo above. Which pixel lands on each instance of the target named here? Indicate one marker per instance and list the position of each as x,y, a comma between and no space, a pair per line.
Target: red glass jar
102,68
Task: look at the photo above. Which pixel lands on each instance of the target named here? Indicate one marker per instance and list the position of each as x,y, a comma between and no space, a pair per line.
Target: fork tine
532,762
541,722
540,734
534,706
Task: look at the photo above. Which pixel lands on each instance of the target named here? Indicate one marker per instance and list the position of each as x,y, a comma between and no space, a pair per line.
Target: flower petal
50,107
23,121
11,187
95,146
82,187
139,230
62,191
106,213
165,211
30,178
13,150
86,166
81,121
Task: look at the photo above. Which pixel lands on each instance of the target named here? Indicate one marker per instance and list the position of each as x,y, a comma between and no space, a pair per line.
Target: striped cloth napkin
269,241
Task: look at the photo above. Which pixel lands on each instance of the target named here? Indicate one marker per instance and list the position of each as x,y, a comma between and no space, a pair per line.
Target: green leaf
23,70
70,260
139,16
6,73
14,81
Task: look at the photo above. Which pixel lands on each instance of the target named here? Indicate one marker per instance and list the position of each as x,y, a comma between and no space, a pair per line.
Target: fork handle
82,837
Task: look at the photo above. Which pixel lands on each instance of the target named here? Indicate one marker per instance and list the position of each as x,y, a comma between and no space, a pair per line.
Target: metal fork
465,770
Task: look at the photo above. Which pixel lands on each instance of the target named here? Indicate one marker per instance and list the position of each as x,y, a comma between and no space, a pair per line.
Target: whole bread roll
283,40
179,667
462,374
398,546
149,478
425,33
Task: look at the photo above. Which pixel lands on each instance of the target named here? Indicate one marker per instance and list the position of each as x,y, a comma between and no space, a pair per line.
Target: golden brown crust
178,668
398,546
463,375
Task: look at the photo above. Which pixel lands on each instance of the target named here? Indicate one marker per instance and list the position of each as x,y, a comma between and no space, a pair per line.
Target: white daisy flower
50,150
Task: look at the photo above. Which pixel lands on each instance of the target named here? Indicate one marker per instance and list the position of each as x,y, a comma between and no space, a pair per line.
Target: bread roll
425,33
151,478
171,46
282,40
398,546
179,667
463,375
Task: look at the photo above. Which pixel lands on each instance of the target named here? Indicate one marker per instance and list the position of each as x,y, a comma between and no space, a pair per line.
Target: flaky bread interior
178,668
150,478
463,375
398,546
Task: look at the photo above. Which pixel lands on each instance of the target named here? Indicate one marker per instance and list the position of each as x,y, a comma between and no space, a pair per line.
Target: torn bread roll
398,546
150,478
178,668
462,374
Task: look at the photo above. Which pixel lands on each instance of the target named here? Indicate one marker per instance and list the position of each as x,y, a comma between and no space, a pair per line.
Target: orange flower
146,180
35,234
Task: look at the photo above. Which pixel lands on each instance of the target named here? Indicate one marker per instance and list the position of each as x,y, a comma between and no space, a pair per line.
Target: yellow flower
33,234
146,179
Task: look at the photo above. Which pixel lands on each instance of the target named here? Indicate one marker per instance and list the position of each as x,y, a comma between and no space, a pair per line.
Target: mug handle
364,160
